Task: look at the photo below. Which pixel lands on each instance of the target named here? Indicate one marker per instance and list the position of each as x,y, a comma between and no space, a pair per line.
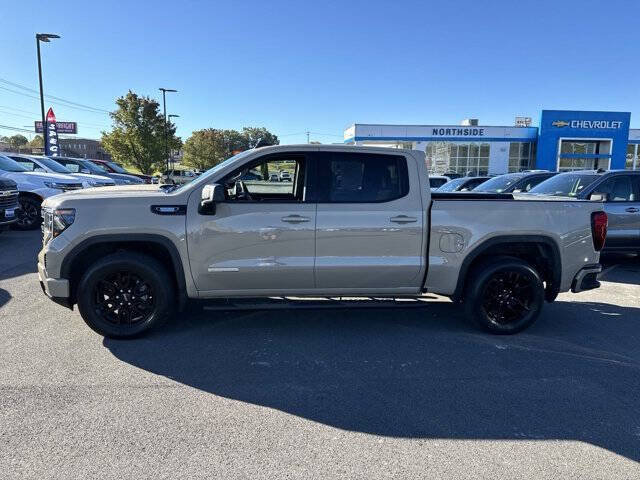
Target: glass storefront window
578,147
465,158
520,157
631,162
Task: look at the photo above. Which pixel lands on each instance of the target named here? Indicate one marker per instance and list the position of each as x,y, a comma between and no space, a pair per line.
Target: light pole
43,37
170,116
164,109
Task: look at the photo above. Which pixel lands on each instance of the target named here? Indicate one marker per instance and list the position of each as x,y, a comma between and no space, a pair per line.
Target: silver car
620,192
44,164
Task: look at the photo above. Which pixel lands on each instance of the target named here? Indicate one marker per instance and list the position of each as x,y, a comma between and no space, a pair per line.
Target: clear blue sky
320,66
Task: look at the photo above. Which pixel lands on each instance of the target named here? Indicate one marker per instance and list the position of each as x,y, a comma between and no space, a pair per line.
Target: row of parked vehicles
30,179
619,190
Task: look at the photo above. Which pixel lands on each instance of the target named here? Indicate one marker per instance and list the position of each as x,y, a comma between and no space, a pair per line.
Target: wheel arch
541,251
88,251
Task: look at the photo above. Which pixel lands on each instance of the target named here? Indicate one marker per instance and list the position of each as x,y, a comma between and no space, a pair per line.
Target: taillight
599,222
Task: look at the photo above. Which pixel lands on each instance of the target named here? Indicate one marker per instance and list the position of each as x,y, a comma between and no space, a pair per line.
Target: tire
504,295
125,295
29,215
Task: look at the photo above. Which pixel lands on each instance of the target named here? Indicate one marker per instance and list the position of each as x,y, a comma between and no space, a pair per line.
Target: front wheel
29,217
125,294
504,295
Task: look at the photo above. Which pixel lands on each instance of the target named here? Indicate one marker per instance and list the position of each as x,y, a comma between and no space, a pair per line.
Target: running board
300,303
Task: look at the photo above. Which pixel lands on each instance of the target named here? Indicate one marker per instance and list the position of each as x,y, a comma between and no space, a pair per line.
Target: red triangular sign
51,118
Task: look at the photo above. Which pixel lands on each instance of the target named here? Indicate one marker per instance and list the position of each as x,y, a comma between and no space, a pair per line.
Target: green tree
37,142
17,141
208,147
137,137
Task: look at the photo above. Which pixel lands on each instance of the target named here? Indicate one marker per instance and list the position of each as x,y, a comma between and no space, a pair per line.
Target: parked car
462,184
274,177
514,182
33,188
355,224
80,165
285,176
113,167
44,164
436,181
8,203
620,192
178,177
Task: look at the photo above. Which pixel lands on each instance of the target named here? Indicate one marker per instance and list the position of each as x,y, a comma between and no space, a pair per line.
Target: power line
60,99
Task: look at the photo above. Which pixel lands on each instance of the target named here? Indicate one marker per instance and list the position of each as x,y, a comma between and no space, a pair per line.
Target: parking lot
351,393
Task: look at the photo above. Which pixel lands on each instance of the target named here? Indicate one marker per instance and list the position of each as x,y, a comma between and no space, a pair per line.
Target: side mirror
599,197
211,194
517,190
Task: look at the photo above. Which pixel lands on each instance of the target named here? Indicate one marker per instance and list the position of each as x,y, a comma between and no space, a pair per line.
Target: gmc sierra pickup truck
353,221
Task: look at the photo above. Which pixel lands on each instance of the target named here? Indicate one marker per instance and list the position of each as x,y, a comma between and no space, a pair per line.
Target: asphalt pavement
340,393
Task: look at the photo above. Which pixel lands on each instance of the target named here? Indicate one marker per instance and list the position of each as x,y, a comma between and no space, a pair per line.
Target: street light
164,109
43,37
170,116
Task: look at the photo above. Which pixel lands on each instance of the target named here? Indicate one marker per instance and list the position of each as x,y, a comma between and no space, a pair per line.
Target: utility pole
164,109
170,116
43,37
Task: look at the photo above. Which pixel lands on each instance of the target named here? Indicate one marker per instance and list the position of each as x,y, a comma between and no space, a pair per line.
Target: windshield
566,185
53,165
93,167
9,165
452,185
116,168
498,184
215,168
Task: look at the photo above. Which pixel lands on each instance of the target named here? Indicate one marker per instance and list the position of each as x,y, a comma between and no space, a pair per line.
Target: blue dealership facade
563,140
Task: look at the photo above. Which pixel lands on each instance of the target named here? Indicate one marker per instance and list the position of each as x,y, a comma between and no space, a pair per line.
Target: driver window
618,189
276,179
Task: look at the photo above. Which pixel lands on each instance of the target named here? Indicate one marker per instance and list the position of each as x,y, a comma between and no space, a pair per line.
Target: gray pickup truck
353,221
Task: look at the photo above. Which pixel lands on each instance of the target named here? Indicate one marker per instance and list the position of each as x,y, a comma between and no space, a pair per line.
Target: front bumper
6,221
57,289
586,279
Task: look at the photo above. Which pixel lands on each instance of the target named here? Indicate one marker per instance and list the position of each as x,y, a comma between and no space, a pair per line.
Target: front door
369,222
623,210
261,238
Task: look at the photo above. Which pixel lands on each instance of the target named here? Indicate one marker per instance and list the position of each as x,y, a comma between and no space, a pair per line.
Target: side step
301,303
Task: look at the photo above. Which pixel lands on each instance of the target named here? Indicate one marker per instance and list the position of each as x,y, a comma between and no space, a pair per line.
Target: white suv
34,187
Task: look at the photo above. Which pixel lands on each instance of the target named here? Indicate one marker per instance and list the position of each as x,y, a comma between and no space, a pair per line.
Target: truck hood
143,190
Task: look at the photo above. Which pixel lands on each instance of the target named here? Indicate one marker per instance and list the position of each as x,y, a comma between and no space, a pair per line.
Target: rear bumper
586,279
57,289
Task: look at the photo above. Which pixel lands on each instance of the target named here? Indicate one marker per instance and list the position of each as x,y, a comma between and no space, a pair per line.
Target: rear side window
617,188
361,178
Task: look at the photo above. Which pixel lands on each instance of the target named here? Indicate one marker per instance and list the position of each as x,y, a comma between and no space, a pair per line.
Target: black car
8,203
462,184
620,192
514,182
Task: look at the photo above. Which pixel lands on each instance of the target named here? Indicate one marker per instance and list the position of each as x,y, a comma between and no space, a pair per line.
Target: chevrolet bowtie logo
560,123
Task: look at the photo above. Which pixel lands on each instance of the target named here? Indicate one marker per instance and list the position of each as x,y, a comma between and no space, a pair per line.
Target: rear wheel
29,214
125,294
504,295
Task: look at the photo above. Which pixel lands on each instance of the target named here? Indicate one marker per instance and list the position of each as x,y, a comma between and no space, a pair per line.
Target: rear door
623,209
369,222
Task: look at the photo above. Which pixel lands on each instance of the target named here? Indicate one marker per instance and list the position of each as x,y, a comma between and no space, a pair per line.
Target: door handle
295,219
403,219
632,210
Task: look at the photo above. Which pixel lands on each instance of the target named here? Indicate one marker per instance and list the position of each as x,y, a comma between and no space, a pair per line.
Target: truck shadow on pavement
417,373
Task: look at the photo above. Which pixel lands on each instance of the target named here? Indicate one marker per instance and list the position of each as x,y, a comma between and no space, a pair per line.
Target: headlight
56,185
62,218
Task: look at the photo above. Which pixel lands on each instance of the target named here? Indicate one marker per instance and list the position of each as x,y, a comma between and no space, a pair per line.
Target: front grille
71,186
8,199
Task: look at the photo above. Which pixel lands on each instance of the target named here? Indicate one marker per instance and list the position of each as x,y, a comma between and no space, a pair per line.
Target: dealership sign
63,127
457,132
51,145
589,124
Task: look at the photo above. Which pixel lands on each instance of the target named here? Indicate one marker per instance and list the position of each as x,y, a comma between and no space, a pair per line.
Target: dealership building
563,140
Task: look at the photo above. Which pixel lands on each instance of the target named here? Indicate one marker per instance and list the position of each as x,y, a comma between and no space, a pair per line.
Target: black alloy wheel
123,298
504,295
29,214
125,294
